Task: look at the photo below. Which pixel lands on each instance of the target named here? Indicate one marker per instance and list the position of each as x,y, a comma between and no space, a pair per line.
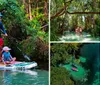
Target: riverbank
43,65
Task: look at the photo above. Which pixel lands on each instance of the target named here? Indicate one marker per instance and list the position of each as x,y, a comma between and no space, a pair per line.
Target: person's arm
3,59
2,29
11,58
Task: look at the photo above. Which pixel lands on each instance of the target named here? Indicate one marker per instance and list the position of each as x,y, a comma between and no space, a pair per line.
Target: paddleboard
18,65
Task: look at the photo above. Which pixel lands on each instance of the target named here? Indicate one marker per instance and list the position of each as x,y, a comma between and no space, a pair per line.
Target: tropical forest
75,20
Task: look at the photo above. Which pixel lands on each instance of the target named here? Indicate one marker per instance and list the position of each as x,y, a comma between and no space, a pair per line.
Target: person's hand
4,63
6,34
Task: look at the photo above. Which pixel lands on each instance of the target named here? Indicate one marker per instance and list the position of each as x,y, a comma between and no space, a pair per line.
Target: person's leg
7,62
14,59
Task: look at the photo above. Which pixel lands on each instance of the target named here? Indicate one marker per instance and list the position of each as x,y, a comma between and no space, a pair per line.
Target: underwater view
77,63
25,77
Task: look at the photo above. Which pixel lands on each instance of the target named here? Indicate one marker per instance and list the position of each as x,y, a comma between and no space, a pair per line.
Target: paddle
24,55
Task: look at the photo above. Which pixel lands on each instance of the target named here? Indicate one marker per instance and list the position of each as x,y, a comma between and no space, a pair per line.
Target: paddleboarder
6,56
78,31
5,34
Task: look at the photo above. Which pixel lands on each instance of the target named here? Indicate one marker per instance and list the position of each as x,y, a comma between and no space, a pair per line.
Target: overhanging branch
61,11
83,12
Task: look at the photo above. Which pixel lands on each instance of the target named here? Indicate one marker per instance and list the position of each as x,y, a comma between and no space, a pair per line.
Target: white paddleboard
19,65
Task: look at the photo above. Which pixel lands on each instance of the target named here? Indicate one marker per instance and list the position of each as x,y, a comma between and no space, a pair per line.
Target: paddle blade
27,57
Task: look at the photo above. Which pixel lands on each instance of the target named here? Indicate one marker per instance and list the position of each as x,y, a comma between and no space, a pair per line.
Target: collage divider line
49,41
74,42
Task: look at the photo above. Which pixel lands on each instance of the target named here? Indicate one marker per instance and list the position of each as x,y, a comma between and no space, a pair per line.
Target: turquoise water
28,77
92,54
89,67
77,75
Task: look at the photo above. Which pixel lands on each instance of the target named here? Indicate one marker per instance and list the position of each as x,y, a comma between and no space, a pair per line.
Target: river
26,77
92,54
89,71
84,37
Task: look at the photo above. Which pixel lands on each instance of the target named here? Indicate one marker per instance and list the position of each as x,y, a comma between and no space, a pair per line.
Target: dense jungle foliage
61,54
66,15
59,76
26,22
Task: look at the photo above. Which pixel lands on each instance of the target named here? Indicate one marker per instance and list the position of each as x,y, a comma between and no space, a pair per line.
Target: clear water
74,37
28,77
89,69
77,75
92,54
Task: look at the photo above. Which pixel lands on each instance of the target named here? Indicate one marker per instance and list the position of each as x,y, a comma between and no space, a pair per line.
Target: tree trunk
37,7
23,2
45,8
30,12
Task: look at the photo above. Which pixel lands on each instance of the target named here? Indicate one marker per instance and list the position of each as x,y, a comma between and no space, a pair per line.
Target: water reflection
23,77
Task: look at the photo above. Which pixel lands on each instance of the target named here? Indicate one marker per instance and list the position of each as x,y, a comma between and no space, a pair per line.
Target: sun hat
1,15
6,48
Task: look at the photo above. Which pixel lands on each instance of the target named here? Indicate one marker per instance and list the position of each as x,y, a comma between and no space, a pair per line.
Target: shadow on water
24,77
92,54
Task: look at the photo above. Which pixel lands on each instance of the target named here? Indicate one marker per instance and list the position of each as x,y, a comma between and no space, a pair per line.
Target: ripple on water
74,37
29,77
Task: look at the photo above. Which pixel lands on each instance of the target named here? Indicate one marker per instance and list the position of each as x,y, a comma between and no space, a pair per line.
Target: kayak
18,65
74,69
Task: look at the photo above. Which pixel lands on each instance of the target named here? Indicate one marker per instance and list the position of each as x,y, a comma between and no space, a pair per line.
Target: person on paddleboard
6,56
5,34
78,31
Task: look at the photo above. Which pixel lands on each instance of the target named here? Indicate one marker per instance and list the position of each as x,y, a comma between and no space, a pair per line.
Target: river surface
28,77
92,54
89,70
84,37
